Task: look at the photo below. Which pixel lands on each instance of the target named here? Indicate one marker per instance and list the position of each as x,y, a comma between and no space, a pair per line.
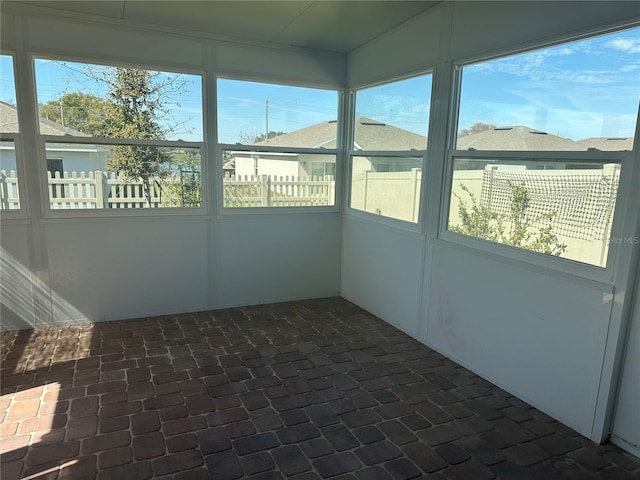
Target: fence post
4,196
101,183
610,172
487,178
365,187
416,194
264,190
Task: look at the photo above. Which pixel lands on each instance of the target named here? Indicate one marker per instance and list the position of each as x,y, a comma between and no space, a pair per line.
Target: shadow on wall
28,302
37,365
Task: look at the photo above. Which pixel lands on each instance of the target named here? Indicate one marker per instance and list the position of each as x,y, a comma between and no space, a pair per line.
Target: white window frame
416,227
223,211
49,213
531,258
21,214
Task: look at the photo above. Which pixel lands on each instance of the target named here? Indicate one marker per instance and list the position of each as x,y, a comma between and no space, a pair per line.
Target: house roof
608,144
523,138
369,135
9,123
516,138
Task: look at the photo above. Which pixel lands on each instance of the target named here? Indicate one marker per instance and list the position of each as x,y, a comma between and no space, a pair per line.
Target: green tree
272,134
80,111
475,128
516,228
186,189
136,108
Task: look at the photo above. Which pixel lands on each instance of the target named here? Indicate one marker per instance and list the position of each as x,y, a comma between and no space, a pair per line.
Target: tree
136,108
249,138
516,228
272,134
80,111
475,128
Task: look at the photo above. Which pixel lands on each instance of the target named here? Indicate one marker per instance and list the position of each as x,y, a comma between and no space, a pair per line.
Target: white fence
393,194
98,189
278,191
9,198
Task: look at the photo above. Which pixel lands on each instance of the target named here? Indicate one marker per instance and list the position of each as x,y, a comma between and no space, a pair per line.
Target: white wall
81,268
546,336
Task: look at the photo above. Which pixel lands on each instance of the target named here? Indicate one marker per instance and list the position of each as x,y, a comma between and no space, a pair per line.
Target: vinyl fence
278,191
97,190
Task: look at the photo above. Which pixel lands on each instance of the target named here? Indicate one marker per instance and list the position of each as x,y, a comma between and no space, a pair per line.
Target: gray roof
523,138
9,123
608,144
516,138
369,135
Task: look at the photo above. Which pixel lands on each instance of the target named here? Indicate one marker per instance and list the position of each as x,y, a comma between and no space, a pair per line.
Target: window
120,137
541,140
10,138
278,143
389,143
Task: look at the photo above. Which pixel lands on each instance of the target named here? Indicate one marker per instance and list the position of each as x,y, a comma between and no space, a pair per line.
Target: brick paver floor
299,390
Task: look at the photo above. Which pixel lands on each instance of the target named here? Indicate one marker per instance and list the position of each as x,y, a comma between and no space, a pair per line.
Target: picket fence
106,190
9,198
278,191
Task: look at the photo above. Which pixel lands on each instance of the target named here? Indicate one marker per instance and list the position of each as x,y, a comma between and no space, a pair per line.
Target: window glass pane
79,176
9,197
388,186
254,113
574,97
561,208
84,99
8,111
267,179
393,116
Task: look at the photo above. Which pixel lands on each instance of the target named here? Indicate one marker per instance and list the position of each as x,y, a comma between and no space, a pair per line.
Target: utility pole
266,112
61,114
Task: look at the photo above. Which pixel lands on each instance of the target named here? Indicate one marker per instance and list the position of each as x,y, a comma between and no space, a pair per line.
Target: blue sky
578,90
242,108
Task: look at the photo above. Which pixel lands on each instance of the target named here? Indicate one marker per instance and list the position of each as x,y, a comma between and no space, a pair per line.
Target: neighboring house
61,157
522,138
369,135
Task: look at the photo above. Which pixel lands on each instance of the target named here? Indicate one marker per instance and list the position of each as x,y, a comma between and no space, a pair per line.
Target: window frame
220,148
623,157
351,152
21,213
43,140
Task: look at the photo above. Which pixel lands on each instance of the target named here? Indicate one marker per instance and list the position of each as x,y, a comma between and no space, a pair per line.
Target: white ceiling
333,25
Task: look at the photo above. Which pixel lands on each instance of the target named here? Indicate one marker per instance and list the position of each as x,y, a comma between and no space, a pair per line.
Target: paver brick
297,433
290,460
424,457
105,442
303,390
53,453
337,464
402,469
255,443
149,445
115,457
317,447
224,466
525,454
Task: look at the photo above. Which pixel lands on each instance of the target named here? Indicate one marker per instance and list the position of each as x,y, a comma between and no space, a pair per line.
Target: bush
516,228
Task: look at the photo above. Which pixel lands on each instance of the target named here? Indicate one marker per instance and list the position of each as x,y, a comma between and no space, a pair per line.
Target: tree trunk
146,187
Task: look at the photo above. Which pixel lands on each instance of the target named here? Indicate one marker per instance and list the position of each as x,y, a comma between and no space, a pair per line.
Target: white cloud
627,45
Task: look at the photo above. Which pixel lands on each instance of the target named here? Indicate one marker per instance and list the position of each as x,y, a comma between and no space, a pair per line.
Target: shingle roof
369,135
608,144
9,123
516,138
524,138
